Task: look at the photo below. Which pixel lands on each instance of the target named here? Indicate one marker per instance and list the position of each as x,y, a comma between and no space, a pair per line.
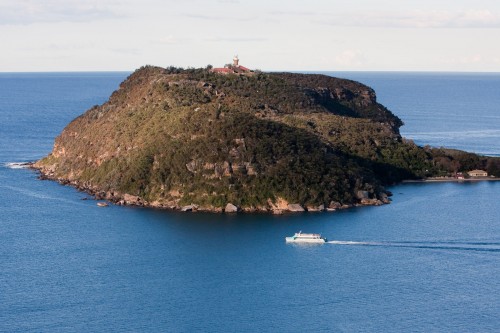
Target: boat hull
309,241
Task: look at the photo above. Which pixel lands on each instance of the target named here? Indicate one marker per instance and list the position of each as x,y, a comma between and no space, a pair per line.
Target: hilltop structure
234,68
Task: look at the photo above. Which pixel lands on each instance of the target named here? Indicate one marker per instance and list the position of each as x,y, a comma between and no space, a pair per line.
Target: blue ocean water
428,262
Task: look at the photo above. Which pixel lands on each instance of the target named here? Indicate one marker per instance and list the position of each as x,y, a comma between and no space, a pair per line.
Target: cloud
466,60
218,17
478,18
473,61
128,51
167,40
293,13
415,19
236,39
32,11
350,58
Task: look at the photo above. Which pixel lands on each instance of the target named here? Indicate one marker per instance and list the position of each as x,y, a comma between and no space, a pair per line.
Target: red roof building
223,70
234,68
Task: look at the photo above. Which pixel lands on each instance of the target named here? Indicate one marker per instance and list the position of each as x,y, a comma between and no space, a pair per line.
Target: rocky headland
195,140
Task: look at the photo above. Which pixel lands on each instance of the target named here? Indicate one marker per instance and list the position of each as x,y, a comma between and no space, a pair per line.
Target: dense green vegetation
178,136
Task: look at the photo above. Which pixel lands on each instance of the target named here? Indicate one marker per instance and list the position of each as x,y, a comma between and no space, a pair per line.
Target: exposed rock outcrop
230,208
295,208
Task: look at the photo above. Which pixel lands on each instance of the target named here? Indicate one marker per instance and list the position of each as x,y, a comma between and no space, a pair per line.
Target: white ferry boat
300,237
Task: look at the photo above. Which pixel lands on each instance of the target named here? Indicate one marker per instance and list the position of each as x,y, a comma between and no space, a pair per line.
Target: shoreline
124,199
275,208
449,180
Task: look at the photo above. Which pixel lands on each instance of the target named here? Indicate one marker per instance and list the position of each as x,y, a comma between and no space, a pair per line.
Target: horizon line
264,71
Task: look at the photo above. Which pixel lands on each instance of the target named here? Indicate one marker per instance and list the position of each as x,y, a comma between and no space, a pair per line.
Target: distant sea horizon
325,72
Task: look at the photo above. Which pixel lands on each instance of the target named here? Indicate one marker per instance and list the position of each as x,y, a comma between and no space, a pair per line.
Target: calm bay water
428,262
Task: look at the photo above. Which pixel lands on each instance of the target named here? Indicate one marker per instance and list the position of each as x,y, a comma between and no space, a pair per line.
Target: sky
293,35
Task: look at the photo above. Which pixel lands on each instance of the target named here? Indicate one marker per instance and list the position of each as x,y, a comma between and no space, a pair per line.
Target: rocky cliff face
196,140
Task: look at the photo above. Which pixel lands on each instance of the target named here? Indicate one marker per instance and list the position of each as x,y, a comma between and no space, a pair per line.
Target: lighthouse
236,60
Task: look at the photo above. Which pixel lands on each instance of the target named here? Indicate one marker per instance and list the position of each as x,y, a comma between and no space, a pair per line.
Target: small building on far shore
477,173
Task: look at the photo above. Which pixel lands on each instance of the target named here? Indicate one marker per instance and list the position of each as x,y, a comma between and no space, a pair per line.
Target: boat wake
435,245
17,165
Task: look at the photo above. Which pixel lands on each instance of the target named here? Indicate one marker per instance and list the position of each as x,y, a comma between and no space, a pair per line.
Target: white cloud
467,60
167,40
129,51
470,62
32,11
236,39
417,19
271,34
474,59
350,58
223,17
294,13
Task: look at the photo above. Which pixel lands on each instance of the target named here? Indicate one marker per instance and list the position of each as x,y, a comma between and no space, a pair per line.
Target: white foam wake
338,242
17,165
489,246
